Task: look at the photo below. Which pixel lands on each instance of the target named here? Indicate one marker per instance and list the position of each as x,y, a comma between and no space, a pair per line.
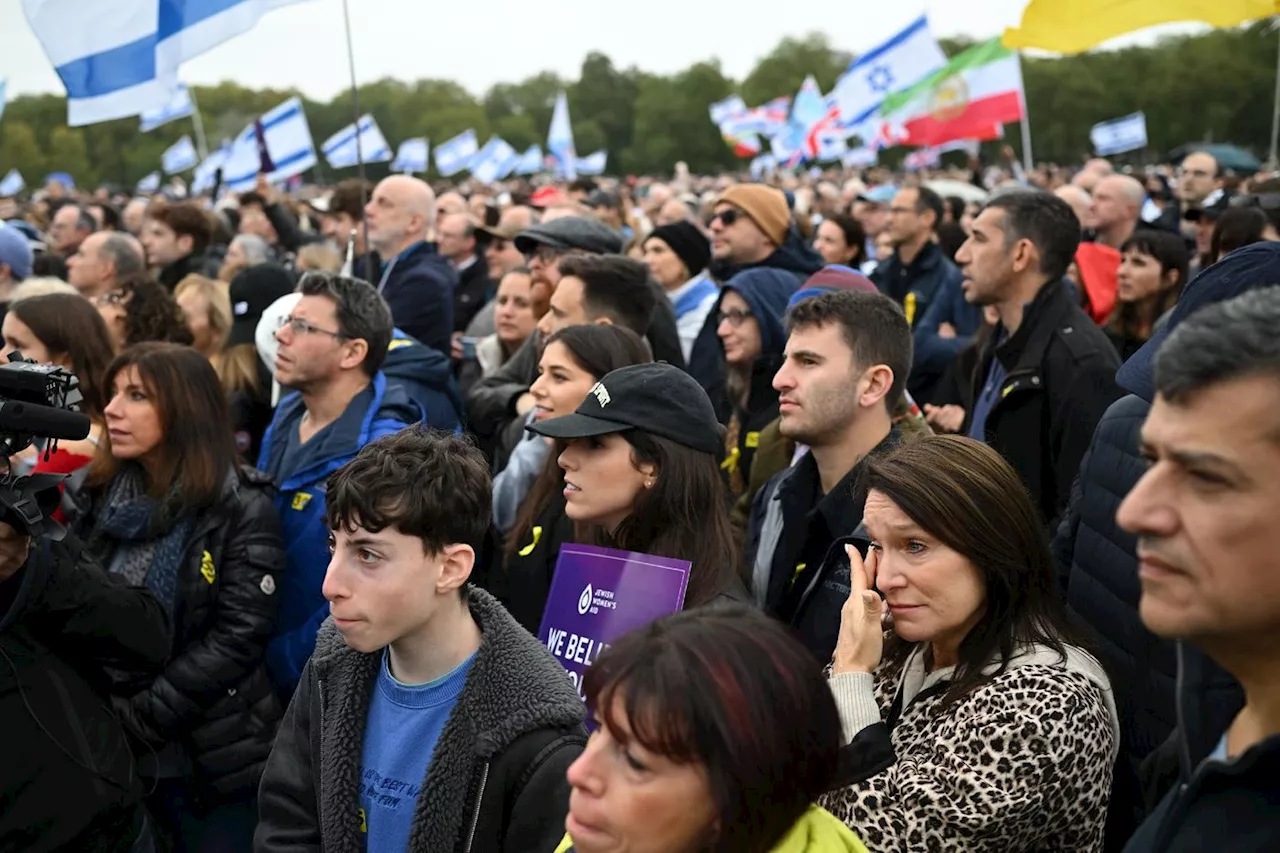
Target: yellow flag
1071,26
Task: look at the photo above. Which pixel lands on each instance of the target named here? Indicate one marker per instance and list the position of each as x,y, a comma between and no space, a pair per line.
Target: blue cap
882,194
1245,269
15,251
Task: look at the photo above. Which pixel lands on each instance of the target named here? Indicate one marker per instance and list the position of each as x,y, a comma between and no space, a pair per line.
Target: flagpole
1275,110
1027,160
198,123
355,106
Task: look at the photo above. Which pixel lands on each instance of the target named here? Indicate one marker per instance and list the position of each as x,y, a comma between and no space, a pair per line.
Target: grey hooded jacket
496,782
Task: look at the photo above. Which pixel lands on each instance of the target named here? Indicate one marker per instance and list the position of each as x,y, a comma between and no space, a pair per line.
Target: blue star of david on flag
880,79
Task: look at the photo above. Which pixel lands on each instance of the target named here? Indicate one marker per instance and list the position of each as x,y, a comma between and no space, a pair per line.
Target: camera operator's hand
14,547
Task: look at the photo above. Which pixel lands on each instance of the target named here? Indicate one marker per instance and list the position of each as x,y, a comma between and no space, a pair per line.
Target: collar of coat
515,688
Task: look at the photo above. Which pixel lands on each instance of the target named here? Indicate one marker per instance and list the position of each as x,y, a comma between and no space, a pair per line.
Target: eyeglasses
299,326
727,217
1266,201
1195,173
735,317
114,297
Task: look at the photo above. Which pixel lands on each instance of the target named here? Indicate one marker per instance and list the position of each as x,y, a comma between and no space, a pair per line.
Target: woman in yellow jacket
714,732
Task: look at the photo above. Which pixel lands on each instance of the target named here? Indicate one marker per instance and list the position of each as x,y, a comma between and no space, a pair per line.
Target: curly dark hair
152,314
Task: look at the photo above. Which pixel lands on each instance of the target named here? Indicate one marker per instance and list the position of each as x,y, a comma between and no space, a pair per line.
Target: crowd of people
976,493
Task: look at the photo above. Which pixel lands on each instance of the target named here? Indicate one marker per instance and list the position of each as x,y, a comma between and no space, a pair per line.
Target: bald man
1117,203
1081,203
417,282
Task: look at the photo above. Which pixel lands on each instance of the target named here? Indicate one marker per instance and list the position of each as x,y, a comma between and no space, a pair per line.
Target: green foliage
1217,86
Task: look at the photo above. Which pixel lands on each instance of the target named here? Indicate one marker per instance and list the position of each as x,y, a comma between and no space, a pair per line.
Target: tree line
1216,86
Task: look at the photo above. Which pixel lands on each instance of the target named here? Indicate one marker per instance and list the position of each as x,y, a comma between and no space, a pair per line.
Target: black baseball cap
252,291
659,399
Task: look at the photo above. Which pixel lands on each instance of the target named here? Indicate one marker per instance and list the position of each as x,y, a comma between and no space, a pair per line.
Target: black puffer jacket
214,698
66,774
1098,570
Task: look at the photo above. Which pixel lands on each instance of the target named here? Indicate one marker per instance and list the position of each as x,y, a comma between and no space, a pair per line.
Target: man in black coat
417,282
1204,517
67,774
1097,561
1048,372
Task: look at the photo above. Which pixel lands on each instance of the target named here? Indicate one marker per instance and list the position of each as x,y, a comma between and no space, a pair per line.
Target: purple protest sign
599,594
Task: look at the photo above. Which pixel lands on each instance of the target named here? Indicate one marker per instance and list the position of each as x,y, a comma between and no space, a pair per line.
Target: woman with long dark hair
980,721
1153,271
528,495
715,734
165,506
640,474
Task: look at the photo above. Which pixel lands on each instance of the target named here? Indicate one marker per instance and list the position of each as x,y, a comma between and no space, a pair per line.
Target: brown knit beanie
766,206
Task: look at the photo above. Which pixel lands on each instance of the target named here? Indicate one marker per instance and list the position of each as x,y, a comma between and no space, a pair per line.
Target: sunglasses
727,217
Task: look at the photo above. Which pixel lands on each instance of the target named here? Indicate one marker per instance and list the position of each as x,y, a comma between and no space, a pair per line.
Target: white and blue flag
901,61
179,157
560,140
412,156
12,184
288,139
120,58
455,155
340,149
593,164
1127,133
494,161
3,85
206,174
179,106
150,183
530,161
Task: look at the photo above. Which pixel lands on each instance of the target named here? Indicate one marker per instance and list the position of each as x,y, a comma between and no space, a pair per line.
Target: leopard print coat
1020,765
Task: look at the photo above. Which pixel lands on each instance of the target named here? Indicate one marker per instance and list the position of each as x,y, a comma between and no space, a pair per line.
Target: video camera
37,401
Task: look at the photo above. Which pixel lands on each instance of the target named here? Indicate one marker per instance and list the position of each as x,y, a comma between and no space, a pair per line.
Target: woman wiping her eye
979,720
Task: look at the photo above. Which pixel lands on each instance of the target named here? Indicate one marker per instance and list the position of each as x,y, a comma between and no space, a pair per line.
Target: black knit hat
659,399
252,291
689,244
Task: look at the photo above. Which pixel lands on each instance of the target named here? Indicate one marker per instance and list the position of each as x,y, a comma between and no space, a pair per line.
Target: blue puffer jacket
426,375
379,410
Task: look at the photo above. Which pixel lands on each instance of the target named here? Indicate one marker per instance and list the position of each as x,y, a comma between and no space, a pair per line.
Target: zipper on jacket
475,818
1184,745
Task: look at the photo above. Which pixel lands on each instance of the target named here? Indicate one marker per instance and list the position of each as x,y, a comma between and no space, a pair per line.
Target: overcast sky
482,42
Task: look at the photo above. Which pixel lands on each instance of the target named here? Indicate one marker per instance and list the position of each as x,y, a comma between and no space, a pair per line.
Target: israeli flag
150,183
763,165
4,84
494,162
1127,133
899,62
593,164
412,156
206,174
859,158
180,156
179,106
530,161
560,140
288,141
340,149
12,183
120,58
731,107
455,155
